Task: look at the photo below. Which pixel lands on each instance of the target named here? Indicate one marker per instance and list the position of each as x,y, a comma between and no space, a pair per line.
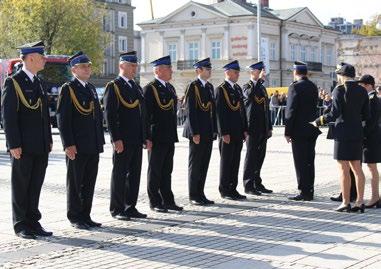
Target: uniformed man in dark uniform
124,103
201,129
300,111
161,106
259,129
79,120
232,130
28,135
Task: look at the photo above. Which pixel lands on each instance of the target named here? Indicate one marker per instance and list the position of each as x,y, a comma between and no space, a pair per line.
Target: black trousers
198,164
160,166
27,177
303,151
80,183
125,179
229,165
255,155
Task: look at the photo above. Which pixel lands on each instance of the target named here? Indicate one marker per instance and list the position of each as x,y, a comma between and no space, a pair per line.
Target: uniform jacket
350,106
301,109
84,130
257,108
24,127
125,123
372,130
200,120
230,121
161,112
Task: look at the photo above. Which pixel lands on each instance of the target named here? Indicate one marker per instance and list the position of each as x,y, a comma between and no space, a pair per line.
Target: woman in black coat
350,107
372,139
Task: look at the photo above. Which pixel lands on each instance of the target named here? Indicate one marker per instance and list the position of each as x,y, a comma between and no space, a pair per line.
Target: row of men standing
136,118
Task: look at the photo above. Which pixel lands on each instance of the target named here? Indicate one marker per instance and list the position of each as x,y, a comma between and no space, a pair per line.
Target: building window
272,51
122,19
293,52
193,50
303,53
322,54
172,51
313,54
216,50
122,43
329,56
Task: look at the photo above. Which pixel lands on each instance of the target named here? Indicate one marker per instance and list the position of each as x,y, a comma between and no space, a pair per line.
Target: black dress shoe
197,202
229,197
300,197
174,207
92,223
377,204
263,189
121,217
40,231
338,198
26,234
344,208
159,208
80,225
357,208
207,201
253,192
239,196
135,214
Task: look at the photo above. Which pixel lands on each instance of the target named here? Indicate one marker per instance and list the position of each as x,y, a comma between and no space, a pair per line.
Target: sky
323,9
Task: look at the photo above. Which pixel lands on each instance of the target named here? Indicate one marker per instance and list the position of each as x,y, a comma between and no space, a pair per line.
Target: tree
65,27
371,28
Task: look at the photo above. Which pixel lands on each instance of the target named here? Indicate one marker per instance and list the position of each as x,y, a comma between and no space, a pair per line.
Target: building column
143,47
203,43
250,41
182,46
226,43
161,43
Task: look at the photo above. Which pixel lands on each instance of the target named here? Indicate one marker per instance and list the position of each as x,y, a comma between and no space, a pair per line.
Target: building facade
227,29
118,21
364,52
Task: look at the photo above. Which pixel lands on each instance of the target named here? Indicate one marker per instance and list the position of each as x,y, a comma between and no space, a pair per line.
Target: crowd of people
146,118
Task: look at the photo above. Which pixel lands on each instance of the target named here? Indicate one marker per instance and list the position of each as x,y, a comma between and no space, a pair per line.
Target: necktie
35,80
132,83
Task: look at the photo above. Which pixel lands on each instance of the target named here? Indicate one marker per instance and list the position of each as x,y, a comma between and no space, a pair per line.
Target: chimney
265,3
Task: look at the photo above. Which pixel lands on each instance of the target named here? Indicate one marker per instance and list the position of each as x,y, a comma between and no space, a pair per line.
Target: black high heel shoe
360,208
376,204
344,208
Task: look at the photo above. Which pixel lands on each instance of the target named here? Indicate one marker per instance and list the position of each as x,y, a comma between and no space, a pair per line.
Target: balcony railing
185,65
315,66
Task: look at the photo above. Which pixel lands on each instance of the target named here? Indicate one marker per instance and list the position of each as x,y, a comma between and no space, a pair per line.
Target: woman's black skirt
372,151
347,150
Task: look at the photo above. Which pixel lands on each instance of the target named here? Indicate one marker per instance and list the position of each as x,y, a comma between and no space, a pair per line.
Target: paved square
262,232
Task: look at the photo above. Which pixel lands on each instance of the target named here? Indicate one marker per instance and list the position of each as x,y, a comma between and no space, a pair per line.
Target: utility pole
152,16
259,7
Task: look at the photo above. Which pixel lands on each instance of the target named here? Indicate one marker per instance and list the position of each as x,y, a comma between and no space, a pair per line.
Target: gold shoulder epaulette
227,99
124,102
21,97
162,106
78,106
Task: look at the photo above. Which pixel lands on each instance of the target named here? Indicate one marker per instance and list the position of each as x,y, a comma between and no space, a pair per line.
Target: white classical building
227,29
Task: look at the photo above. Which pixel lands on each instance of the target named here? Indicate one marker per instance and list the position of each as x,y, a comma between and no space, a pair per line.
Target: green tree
370,29
65,26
